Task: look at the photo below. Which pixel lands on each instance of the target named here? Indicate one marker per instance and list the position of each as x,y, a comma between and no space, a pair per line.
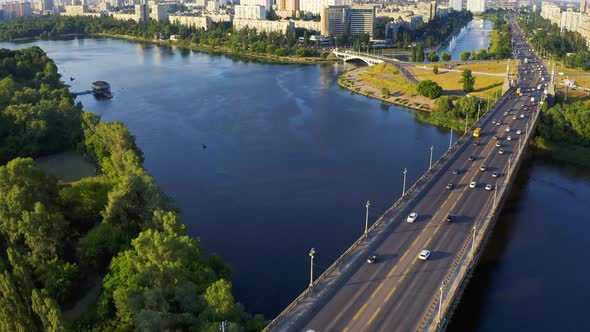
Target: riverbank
570,153
216,50
384,82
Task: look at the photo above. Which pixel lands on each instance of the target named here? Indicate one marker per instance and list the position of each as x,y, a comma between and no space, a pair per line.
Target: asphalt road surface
393,293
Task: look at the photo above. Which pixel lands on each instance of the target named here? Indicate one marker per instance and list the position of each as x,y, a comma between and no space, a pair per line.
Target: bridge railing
411,194
463,265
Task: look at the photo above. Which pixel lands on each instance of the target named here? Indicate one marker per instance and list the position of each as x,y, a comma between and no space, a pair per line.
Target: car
424,254
501,151
456,171
509,138
498,144
412,217
450,218
495,174
471,158
489,187
498,123
476,143
496,137
473,184
372,259
450,186
514,117
505,113
493,121
482,168
507,128
518,132
522,115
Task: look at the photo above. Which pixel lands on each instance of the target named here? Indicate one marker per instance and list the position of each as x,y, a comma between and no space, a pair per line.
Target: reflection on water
473,37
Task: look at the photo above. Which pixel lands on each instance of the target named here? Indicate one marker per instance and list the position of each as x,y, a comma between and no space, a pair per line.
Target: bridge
399,292
348,55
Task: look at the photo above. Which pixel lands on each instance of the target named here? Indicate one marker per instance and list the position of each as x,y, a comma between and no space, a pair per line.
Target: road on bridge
393,293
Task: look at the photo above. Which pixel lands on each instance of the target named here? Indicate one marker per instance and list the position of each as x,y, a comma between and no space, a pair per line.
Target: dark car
471,158
450,186
450,218
372,259
456,171
476,143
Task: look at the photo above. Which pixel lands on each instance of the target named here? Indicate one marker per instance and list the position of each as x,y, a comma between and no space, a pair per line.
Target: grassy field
485,86
387,76
67,166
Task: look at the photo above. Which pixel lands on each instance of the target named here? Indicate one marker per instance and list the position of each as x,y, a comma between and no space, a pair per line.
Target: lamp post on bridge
404,187
311,254
473,240
451,139
495,194
367,219
442,287
478,109
431,150
466,119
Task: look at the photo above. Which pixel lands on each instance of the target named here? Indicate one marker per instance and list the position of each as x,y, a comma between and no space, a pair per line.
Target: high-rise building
582,6
292,5
476,6
335,20
315,6
456,5
354,20
362,20
266,3
432,12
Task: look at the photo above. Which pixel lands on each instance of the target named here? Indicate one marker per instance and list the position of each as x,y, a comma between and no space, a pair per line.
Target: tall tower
582,6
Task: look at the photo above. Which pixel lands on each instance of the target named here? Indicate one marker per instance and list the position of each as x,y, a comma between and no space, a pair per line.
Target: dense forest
568,46
116,232
569,123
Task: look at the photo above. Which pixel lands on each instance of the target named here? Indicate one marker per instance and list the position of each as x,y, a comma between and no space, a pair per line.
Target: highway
393,293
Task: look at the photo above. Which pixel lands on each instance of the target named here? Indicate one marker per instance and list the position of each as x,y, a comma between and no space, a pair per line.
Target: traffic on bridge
402,269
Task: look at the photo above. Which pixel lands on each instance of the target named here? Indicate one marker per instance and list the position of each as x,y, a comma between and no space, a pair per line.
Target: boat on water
101,89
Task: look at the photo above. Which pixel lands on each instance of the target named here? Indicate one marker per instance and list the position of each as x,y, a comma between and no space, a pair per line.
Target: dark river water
291,160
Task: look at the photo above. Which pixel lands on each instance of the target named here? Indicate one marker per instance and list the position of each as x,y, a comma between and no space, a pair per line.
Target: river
290,161
473,37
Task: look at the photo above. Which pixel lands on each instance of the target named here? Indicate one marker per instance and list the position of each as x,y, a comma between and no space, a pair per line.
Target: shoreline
265,58
398,98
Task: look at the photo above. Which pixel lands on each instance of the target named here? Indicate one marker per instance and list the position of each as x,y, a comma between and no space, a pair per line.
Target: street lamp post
466,118
367,218
473,241
478,109
495,194
223,324
311,254
451,139
431,150
404,187
442,287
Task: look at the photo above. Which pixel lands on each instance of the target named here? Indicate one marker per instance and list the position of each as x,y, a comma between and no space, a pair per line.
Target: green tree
445,56
444,104
465,56
429,89
219,297
435,70
385,92
47,310
433,57
468,80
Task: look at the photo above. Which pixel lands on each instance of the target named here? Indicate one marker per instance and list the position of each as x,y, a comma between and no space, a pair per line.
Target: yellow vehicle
518,91
476,132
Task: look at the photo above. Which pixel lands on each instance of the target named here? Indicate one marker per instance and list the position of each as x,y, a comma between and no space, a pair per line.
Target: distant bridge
348,55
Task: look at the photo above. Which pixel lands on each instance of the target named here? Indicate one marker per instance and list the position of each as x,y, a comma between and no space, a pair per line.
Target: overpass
348,55
399,292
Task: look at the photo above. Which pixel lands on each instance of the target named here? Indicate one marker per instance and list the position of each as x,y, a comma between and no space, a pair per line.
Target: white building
308,25
212,6
250,12
315,6
570,21
551,12
266,3
264,25
456,4
199,22
476,6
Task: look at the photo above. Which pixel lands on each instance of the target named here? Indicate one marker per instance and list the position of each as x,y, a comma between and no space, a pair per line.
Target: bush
282,51
444,104
445,56
430,89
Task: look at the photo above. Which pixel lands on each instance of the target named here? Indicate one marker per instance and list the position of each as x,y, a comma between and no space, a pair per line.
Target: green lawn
67,166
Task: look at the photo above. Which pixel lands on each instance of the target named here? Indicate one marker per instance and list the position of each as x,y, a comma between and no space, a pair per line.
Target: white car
507,128
518,132
522,115
424,254
489,187
498,144
509,138
412,217
514,117
473,184
498,123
